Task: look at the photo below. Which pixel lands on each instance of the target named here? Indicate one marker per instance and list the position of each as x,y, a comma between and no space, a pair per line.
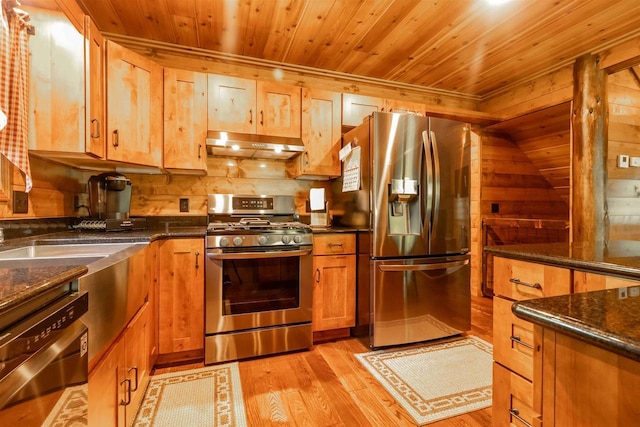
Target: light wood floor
327,386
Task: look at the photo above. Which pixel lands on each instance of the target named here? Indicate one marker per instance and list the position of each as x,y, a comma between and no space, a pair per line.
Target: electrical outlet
184,205
634,162
623,161
20,202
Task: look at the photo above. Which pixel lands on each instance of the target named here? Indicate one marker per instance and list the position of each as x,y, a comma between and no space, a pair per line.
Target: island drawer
512,339
512,399
334,244
520,280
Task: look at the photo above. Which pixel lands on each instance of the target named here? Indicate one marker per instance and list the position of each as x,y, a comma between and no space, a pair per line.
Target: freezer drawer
419,299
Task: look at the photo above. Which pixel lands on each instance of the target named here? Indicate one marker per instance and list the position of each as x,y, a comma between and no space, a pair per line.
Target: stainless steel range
259,278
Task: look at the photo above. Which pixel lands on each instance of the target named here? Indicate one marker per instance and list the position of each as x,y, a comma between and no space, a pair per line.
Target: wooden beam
589,171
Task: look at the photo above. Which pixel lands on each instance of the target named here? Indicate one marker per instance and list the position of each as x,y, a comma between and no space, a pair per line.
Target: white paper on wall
351,175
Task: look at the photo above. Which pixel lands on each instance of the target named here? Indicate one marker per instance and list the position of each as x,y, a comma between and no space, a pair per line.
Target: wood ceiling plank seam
131,14
545,48
333,36
494,57
260,21
489,37
311,22
391,48
286,21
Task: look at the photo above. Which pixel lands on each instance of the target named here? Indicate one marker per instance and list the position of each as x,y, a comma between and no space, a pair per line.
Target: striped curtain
14,89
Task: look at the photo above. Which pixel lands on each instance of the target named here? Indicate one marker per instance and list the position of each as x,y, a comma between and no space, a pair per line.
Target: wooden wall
623,185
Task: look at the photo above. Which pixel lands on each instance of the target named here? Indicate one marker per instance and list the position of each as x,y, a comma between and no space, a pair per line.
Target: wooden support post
589,217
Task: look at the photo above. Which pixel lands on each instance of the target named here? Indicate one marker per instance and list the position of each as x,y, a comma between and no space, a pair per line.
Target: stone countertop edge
557,254
555,313
46,278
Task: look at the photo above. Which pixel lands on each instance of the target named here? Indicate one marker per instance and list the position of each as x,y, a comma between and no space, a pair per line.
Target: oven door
254,289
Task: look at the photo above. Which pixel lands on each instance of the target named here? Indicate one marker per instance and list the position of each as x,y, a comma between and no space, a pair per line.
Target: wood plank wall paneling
476,222
623,185
512,182
53,189
160,194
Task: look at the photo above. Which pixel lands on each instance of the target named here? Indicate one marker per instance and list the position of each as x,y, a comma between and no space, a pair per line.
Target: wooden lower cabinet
586,282
512,398
181,298
334,284
118,383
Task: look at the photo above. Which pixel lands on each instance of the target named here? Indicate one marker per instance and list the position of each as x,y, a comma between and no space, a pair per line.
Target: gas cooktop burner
257,225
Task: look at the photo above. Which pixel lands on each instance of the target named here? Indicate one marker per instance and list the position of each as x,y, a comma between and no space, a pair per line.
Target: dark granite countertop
616,257
609,319
23,282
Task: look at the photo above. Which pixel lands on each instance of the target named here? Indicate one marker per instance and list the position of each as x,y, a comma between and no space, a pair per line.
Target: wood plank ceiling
463,46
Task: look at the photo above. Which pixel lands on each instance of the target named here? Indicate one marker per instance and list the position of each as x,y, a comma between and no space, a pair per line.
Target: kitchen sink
90,250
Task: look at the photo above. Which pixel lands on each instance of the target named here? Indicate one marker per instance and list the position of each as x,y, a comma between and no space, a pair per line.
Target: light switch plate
184,205
634,162
20,202
623,161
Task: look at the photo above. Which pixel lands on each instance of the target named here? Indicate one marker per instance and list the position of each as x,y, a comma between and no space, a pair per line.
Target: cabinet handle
516,414
199,151
317,275
250,116
134,368
529,285
306,158
116,138
128,401
517,340
95,124
261,117
197,262
335,244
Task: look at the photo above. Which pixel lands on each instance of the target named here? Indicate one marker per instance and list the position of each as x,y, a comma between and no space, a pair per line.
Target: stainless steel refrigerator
412,203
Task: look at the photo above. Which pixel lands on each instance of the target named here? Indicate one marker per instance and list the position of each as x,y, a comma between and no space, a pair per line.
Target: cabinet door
334,292
136,351
106,391
356,107
586,282
321,134
56,84
278,109
185,120
94,96
231,104
181,295
134,107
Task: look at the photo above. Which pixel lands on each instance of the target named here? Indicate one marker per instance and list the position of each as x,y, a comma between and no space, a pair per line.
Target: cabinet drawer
512,399
512,339
520,280
334,244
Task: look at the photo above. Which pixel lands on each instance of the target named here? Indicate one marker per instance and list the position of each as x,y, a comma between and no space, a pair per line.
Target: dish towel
14,91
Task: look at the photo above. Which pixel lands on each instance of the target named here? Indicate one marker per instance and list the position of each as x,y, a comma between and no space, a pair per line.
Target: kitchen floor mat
209,396
434,381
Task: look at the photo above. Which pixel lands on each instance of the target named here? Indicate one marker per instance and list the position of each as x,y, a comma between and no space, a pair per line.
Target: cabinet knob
197,259
95,125
529,285
199,151
261,117
115,140
317,275
250,116
128,399
134,368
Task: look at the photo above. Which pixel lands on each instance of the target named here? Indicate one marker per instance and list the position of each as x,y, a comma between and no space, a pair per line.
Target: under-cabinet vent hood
252,146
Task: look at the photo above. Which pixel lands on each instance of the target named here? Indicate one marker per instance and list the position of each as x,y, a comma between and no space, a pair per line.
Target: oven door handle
258,255
27,371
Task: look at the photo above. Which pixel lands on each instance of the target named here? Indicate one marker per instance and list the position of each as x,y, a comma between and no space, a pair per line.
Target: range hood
232,144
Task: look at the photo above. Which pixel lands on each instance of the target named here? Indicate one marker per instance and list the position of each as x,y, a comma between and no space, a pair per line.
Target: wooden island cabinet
334,284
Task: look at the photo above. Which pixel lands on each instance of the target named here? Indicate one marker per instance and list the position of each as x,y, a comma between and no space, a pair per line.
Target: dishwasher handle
422,267
258,255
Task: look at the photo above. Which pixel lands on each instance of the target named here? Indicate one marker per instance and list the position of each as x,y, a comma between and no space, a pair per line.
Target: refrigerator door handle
436,181
426,220
422,267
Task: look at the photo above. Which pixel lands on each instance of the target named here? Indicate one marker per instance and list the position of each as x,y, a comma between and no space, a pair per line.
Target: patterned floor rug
210,396
437,380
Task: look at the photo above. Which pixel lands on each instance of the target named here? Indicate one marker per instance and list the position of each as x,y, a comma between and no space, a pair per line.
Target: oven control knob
286,239
237,241
262,240
224,241
297,239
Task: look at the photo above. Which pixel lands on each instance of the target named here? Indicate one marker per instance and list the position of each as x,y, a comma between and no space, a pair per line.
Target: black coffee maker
109,196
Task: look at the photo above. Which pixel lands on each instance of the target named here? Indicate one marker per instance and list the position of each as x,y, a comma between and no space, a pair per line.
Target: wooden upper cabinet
95,89
408,107
356,107
278,108
185,120
134,107
232,104
246,106
56,84
321,134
